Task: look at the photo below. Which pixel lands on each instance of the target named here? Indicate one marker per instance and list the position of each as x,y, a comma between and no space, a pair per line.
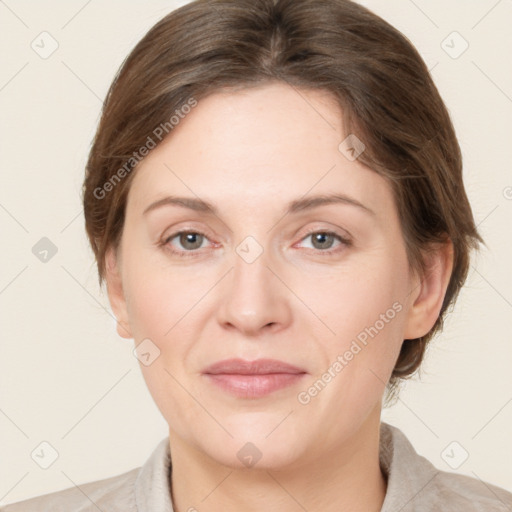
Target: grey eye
191,240
322,240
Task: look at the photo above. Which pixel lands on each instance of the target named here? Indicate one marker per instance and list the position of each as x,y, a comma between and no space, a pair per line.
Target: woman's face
271,273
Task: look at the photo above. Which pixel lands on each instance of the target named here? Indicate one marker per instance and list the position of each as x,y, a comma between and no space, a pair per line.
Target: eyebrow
295,206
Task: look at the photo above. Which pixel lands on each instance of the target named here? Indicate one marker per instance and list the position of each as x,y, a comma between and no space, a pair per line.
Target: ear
116,294
430,290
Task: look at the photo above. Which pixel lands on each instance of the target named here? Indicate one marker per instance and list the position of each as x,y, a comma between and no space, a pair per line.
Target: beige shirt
414,484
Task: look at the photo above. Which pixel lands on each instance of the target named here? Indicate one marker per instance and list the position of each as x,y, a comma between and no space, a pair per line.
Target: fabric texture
414,484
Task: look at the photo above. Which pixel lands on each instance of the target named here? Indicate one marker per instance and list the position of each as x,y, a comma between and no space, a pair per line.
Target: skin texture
250,153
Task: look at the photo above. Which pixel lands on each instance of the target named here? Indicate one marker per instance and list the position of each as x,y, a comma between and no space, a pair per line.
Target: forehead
272,142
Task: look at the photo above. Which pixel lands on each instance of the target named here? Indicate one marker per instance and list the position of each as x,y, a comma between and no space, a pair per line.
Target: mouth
253,379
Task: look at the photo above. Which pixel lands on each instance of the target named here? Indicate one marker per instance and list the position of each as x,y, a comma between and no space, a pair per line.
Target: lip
253,379
256,367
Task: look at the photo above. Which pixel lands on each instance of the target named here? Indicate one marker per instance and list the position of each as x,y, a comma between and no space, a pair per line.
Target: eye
189,241
324,240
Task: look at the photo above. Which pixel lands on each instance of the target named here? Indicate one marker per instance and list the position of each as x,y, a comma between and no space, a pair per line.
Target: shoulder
415,484
114,494
469,494
143,488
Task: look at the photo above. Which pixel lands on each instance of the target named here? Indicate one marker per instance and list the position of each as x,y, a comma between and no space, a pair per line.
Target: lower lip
254,386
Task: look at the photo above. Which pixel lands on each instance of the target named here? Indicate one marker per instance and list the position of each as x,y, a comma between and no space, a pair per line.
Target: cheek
160,298
366,309
161,308
363,302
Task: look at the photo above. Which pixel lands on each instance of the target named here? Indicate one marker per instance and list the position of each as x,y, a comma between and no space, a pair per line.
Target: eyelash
191,254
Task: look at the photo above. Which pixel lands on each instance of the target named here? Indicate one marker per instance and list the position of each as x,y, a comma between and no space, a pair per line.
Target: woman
275,200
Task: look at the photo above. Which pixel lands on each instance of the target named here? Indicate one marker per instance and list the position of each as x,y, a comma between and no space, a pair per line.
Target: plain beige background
66,377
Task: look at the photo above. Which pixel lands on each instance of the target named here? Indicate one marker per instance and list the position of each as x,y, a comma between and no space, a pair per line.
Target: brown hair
379,79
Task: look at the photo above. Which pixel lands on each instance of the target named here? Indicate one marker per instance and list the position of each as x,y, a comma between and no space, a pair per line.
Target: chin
254,456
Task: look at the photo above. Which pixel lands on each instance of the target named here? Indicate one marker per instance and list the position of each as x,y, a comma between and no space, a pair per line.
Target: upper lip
257,367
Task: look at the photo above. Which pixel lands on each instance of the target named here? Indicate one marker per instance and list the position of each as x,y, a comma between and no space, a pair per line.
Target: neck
346,478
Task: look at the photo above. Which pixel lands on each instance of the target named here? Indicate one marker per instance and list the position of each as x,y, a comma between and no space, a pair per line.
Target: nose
254,299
